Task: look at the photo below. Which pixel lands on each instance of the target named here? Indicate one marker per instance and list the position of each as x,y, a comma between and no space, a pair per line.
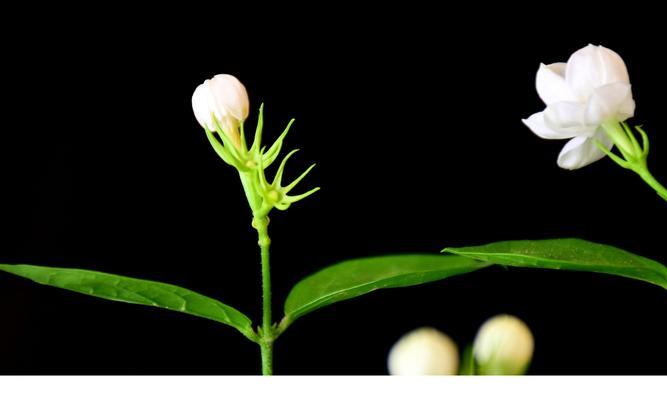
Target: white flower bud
424,351
225,98
503,346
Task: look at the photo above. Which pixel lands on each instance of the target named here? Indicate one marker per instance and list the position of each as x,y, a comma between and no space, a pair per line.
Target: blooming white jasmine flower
424,351
585,99
224,98
503,346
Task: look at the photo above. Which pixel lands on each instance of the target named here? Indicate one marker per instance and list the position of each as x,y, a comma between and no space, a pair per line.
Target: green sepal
231,148
634,154
645,143
638,151
294,199
270,156
297,180
244,146
278,178
257,140
276,195
618,160
221,150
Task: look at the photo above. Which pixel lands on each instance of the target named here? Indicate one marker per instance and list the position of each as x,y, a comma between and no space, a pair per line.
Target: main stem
266,339
261,223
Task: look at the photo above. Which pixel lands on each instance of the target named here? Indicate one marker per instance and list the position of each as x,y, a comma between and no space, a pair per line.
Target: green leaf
135,291
568,254
352,278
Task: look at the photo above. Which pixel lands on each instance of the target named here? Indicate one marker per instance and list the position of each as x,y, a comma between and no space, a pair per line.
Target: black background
414,119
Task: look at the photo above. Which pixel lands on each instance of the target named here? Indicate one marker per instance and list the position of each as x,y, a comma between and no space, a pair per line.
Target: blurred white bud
225,98
424,351
503,346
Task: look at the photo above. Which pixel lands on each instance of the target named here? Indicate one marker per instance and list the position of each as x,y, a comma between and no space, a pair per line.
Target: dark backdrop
414,119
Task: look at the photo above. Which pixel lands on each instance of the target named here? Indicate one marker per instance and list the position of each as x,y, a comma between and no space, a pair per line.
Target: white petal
536,124
568,117
614,66
612,101
558,68
200,105
594,66
626,110
582,151
216,95
230,95
551,85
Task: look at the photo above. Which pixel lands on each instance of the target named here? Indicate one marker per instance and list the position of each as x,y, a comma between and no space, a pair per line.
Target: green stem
261,223
267,358
652,182
267,337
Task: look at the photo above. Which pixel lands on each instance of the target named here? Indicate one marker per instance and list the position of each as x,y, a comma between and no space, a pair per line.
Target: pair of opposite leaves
353,278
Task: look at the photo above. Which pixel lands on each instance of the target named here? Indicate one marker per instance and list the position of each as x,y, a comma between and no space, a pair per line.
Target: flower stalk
633,154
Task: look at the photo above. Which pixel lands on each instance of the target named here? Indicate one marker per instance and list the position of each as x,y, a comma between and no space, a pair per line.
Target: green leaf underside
352,278
568,254
135,291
